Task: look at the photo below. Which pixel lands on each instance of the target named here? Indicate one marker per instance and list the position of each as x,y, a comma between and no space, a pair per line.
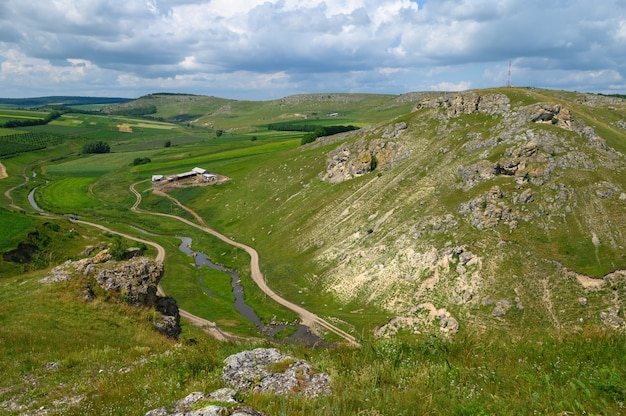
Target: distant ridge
61,100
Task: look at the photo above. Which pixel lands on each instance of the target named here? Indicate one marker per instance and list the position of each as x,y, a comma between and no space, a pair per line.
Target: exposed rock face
352,160
467,103
525,163
192,405
134,281
267,370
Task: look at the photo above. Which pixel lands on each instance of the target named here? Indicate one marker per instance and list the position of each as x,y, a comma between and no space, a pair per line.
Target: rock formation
134,282
267,370
200,404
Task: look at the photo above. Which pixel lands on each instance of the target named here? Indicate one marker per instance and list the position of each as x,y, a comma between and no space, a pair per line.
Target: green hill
472,241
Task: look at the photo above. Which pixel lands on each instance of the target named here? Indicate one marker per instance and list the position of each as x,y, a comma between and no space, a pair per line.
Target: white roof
198,170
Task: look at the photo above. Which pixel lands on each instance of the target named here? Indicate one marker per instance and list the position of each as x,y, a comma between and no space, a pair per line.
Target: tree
168,143
96,147
219,132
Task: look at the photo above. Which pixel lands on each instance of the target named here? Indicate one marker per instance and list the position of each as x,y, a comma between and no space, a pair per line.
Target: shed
157,178
199,171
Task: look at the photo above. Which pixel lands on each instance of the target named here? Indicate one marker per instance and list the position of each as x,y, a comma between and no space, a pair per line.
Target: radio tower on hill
508,79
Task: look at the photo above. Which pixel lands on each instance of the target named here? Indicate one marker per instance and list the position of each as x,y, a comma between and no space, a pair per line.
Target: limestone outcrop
349,161
134,282
222,402
267,370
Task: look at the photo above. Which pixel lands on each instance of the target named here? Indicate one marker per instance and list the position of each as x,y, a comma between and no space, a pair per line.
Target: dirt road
308,318
208,326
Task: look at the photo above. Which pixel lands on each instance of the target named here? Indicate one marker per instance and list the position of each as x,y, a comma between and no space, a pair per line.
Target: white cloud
449,86
382,44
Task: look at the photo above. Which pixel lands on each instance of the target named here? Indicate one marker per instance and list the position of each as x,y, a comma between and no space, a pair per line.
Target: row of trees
96,147
10,124
322,131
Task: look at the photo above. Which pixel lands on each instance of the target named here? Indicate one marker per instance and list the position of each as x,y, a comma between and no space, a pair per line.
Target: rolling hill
472,242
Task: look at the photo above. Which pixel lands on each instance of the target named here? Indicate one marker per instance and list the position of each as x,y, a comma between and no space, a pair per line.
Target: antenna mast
508,80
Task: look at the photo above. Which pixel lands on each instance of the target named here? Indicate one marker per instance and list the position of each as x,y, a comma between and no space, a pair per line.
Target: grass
67,195
12,225
539,359
112,362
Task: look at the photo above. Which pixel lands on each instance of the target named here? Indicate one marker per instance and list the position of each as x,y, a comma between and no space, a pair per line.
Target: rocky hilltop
475,209
134,282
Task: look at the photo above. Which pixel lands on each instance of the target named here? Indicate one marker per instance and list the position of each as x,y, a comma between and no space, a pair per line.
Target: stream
302,333
31,199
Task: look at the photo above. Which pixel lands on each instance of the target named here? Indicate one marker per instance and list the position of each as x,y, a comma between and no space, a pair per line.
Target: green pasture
67,195
181,162
12,225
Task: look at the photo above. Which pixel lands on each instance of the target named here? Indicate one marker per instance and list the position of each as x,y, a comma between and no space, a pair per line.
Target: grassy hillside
393,239
473,242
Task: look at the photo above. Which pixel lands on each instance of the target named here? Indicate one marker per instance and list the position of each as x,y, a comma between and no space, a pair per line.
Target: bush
141,161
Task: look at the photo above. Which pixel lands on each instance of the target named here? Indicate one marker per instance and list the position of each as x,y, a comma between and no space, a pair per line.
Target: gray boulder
267,370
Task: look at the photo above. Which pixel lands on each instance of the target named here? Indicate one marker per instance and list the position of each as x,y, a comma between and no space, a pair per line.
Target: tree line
10,124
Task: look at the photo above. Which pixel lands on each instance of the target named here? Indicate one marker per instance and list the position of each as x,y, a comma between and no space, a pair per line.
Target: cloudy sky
265,49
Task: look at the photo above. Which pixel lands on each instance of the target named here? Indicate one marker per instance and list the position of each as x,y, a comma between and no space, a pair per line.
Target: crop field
95,165
8,114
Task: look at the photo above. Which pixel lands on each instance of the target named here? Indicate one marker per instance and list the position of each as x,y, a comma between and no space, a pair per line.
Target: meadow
12,225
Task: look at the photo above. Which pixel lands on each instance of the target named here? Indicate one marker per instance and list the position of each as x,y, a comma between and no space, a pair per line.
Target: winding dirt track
209,326
308,318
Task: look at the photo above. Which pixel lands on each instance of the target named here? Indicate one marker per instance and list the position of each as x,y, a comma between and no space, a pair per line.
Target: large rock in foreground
267,370
222,402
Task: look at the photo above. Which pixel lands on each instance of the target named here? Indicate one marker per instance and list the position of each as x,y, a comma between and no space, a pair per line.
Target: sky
268,49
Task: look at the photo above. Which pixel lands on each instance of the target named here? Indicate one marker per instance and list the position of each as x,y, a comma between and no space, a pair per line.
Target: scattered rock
267,370
502,307
192,405
611,318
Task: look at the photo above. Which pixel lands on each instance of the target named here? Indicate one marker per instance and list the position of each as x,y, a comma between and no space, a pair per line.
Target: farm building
209,177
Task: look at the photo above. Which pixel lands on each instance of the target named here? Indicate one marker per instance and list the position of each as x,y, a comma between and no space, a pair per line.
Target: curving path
209,326
308,318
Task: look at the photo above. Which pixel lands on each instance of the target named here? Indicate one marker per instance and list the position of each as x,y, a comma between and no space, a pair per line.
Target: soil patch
3,171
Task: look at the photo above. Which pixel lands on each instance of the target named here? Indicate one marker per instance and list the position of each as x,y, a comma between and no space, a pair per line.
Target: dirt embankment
3,171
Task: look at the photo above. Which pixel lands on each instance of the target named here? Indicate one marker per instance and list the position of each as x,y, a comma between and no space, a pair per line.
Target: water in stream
31,200
302,334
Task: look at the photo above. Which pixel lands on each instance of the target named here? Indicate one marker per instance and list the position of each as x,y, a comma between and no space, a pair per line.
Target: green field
12,225
67,195
11,114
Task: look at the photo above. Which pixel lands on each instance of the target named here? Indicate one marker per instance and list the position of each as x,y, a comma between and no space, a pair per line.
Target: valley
460,248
